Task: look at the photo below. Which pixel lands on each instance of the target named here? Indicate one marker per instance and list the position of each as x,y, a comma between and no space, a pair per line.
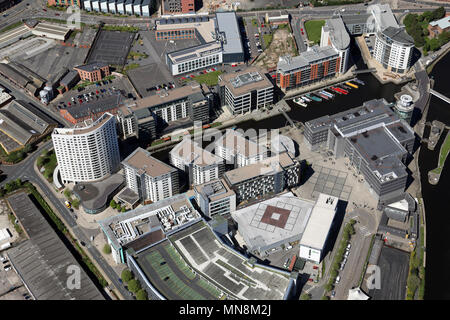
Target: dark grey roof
94,196
43,261
103,105
13,74
398,35
70,78
92,66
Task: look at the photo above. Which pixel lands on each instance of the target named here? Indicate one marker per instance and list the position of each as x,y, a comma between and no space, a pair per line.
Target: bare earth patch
282,44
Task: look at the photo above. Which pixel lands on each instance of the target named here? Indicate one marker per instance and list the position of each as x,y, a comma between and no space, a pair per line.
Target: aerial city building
87,153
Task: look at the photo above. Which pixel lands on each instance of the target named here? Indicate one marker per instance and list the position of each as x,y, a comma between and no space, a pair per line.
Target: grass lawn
137,55
130,67
314,29
10,27
210,79
444,151
267,39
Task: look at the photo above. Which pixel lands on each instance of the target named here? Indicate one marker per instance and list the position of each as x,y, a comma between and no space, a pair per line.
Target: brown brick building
435,28
178,6
93,72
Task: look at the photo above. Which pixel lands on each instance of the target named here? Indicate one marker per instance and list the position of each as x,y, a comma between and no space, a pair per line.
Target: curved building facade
394,49
335,34
87,153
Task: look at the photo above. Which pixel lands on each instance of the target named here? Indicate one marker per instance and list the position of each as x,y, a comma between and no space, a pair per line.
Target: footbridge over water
364,71
439,95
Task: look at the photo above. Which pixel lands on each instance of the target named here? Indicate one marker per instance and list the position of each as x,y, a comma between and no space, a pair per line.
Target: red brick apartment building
64,3
93,72
308,67
178,6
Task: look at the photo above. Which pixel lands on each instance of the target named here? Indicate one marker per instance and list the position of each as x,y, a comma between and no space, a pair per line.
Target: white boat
300,102
327,93
306,99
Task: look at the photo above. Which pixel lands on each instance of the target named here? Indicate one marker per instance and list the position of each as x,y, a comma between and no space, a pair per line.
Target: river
437,277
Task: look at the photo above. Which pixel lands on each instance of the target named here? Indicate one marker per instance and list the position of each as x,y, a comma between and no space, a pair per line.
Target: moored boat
351,85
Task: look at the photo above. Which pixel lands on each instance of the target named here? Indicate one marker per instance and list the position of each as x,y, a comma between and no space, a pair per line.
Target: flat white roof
274,220
320,221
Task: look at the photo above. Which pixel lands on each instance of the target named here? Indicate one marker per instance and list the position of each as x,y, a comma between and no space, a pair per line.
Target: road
25,171
35,10
297,25
360,244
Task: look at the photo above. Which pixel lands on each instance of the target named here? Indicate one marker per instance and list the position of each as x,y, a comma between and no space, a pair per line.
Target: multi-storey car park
245,90
375,140
196,264
148,177
87,153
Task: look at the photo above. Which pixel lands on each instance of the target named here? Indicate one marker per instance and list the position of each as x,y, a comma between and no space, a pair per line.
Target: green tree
438,13
126,275
305,296
434,44
328,287
40,161
67,193
134,285
113,204
107,249
76,203
141,295
123,209
325,298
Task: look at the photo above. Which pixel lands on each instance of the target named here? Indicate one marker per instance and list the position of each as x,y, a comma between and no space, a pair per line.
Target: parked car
333,294
338,279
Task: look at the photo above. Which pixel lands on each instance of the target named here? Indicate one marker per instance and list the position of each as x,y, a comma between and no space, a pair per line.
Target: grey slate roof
338,33
227,22
315,54
398,35
43,261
